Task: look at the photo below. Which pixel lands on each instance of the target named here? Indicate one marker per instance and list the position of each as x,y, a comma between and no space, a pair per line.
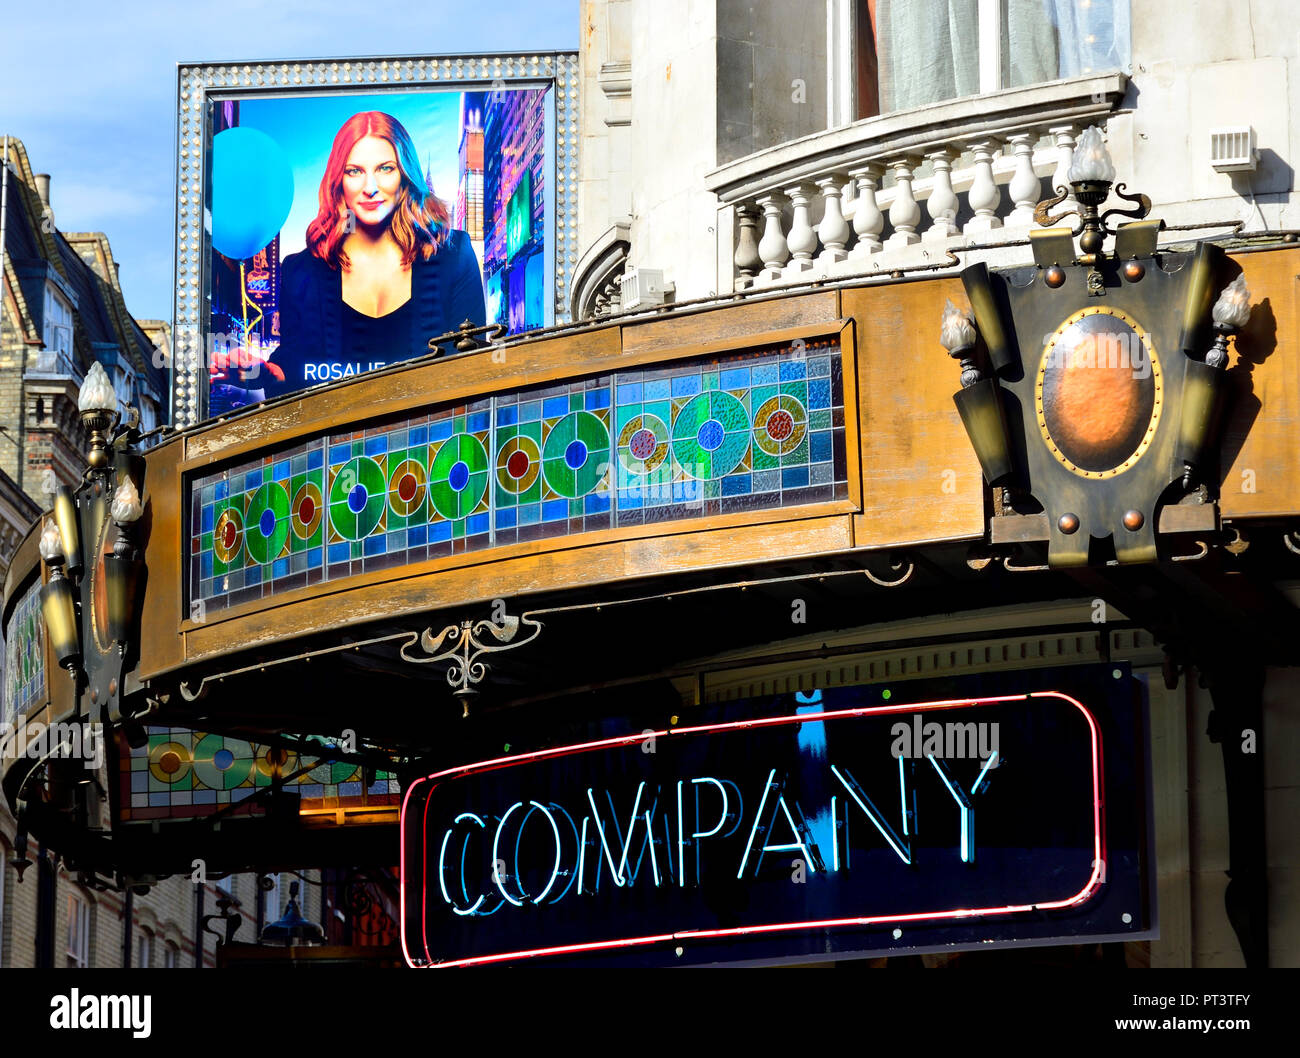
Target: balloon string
246,302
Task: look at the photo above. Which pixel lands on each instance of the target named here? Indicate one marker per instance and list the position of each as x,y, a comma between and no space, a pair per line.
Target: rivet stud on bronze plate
1054,276
1133,520
1068,523
1134,270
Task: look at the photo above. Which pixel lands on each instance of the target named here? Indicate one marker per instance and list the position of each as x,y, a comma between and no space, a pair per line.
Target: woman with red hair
383,271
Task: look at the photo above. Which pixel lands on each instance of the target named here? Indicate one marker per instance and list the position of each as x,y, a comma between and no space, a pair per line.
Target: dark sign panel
849,820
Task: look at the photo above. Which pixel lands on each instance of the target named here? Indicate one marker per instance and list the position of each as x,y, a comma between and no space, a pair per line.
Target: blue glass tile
396,440
252,575
439,531
315,459
767,480
206,520
314,558
530,412
349,789
311,789
376,446
506,518
629,499
596,503
819,366
397,541
205,797
477,421
764,374
554,510
686,385
280,568
239,793
554,407
820,447
253,479
597,399
794,478
530,513
418,435
222,491
160,800
630,393
374,545
298,464
280,471
139,782
440,431
417,536
297,562
821,474
477,523
233,581
205,493
736,485
507,416
792,370
340,552
659,389
205,565
340,453
819,393
735,378
686,491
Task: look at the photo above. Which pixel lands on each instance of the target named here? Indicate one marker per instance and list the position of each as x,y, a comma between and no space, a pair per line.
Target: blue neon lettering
903,848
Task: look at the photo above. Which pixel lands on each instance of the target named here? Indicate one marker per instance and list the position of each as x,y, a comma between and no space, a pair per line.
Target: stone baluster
868,221
904,214
834,229
984,194
802,239
942,204
772,246
1064,135
747,259
1025,188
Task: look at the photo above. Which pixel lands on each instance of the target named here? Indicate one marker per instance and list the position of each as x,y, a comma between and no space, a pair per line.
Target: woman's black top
323,339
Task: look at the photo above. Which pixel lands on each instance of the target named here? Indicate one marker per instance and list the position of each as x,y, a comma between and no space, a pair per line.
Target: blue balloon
252,191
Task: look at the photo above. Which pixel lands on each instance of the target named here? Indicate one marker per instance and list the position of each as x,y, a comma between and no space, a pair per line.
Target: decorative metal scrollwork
465,643
896,563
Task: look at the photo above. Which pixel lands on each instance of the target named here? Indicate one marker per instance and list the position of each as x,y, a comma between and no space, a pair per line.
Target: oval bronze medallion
1099,392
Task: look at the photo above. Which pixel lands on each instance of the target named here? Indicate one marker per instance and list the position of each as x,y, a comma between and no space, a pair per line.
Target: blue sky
90,89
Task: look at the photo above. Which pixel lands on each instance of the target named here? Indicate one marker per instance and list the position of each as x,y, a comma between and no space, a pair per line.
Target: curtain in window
929,51
1044,40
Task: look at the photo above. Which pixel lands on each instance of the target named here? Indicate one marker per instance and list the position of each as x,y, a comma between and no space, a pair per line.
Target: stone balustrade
901,189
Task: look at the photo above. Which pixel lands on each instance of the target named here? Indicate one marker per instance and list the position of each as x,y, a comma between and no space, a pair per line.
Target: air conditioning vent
1232,150
641,287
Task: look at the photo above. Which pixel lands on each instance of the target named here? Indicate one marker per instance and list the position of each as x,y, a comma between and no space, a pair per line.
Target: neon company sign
824,819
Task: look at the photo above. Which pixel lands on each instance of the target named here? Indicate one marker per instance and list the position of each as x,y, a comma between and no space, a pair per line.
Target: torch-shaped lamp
1202,388
979,402
58,600
97,403
122,568
1091,174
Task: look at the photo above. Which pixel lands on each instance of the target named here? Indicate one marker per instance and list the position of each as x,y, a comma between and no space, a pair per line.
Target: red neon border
798,718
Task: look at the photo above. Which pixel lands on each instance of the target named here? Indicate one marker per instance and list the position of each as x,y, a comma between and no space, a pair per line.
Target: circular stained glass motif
271,760
780,425
357,498
518,463
228,535
458,476
169,762
216,766
307,509
406,488
711,435
575,455
268,522
643,444
333,772
1099,393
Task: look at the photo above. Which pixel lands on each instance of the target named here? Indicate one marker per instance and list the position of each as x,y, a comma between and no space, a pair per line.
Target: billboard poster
348,229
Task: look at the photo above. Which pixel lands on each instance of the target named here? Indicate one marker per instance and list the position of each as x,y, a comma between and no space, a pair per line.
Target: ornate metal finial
1090,176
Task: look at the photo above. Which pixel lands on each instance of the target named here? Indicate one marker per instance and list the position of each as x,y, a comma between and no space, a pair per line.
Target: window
144,950
78,930
914,52
58,324
169,956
